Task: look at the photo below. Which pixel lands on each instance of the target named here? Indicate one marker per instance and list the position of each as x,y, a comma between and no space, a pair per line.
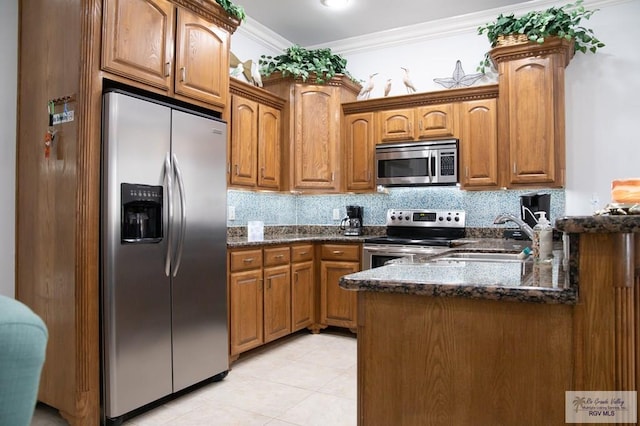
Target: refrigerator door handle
183,214
168,177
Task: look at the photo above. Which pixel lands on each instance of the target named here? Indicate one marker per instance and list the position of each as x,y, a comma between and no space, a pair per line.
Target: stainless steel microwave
417,163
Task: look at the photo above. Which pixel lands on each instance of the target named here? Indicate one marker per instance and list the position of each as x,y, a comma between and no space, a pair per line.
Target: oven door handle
389,250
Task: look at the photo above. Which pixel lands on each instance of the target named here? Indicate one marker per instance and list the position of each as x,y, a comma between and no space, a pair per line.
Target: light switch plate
231,214
336,214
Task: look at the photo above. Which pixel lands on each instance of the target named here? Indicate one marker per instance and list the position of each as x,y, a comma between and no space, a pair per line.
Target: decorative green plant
232,9
561,22
302,63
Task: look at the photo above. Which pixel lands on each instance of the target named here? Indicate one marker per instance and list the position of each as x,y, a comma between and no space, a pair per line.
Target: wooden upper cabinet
531,133
269,155
244,141
435,121
359,148
316,138
312,131
255,154
172,49
396,125
478,144
202,59
138,40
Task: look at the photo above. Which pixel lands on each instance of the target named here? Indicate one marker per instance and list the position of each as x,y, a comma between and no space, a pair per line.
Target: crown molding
257,32
428,30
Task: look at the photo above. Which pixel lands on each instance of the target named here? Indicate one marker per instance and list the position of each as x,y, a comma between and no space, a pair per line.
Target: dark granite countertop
599,224
517,281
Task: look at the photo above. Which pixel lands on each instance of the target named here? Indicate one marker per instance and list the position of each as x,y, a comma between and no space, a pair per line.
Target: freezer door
199,285
136,304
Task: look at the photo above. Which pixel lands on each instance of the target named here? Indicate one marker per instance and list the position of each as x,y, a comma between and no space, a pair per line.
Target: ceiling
310,24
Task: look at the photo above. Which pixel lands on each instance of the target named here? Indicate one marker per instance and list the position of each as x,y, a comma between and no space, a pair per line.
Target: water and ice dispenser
141,213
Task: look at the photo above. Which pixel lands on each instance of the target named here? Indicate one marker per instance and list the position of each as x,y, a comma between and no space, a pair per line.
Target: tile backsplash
292,209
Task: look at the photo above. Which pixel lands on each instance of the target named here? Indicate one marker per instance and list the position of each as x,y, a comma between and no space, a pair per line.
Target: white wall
8,89
603,110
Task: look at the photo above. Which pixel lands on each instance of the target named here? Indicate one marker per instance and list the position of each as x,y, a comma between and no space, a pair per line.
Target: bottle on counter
542,244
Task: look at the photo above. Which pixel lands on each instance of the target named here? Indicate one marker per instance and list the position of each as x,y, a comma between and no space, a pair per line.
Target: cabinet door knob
295,277
167,69
237,170
183,74
515,170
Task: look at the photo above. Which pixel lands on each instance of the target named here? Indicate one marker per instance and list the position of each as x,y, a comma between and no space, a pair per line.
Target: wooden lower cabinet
338,307
271,294
453,361
246,307
246,300
277,302
302,287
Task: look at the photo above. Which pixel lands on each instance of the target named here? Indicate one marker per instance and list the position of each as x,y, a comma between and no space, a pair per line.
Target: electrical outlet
336,214
231,214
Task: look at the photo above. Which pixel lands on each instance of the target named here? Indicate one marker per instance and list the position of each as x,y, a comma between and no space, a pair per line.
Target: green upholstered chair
23,341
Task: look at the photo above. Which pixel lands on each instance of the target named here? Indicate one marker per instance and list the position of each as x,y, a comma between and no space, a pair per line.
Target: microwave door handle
429,166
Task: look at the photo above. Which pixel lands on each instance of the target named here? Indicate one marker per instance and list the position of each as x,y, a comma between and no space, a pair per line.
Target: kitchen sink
481,257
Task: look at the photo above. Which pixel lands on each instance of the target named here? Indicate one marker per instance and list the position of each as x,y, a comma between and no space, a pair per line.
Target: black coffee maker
352,224
532,203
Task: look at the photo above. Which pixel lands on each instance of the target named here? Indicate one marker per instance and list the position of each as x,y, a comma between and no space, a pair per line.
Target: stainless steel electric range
412,232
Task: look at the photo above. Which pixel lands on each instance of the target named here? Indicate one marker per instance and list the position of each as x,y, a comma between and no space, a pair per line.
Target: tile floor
303,379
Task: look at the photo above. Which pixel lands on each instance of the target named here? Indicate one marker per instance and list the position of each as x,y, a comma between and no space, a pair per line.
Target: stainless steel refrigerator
163,238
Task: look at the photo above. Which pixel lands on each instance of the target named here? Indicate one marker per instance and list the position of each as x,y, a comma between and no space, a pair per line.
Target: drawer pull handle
338,252
304,253
279,256
248,260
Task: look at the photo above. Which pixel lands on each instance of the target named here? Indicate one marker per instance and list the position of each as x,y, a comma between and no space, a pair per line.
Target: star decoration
459,79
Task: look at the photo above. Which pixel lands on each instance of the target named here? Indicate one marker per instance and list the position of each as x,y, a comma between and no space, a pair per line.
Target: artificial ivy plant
303,63
232,9
561,22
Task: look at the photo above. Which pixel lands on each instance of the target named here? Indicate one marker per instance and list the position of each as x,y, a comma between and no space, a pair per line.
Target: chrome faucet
507,217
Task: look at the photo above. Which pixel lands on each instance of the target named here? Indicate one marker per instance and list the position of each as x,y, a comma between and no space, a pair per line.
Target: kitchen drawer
276,256
302,253
245,259
341,252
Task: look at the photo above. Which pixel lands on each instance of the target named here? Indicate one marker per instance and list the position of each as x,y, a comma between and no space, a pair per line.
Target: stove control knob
406,217
441,218
393,218
448,218
399,217
457,219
